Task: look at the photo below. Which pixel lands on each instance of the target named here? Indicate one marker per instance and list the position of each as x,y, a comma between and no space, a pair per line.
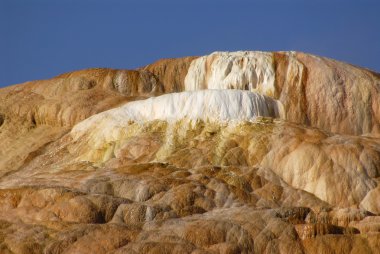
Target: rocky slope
234,152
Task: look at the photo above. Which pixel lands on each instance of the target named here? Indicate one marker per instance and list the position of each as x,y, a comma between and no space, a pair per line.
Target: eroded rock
285,166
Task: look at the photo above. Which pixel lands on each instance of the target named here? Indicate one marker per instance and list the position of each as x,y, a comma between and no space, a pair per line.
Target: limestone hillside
233,152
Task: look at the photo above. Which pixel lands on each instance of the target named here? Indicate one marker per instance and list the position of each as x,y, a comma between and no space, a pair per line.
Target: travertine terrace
233,152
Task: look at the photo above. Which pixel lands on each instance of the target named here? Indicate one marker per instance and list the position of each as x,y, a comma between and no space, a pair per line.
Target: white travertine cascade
206,105
245,70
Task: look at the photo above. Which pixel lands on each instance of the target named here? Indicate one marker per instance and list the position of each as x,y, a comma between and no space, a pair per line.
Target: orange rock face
110,161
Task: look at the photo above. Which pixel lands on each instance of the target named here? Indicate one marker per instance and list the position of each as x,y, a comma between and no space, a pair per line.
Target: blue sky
43,38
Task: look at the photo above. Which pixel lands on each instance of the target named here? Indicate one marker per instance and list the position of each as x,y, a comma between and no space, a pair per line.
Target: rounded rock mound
206,105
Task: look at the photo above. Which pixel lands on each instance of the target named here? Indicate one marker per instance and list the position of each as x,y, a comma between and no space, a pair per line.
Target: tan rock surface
226,173
171,73
38,112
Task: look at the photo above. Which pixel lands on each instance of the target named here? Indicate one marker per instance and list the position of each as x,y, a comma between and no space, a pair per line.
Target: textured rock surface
290,166
315,91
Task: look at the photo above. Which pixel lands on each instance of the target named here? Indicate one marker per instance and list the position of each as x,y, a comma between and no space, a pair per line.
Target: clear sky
43,38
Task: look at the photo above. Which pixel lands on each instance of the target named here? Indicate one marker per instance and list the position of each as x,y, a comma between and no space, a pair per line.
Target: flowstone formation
234,152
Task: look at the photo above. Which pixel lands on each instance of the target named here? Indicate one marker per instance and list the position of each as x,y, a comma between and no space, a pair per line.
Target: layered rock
38,112
251,154
72,97
315,91
308,160
221,106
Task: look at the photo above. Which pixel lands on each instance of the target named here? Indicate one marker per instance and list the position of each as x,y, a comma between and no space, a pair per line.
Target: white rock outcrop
206,105
245,70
